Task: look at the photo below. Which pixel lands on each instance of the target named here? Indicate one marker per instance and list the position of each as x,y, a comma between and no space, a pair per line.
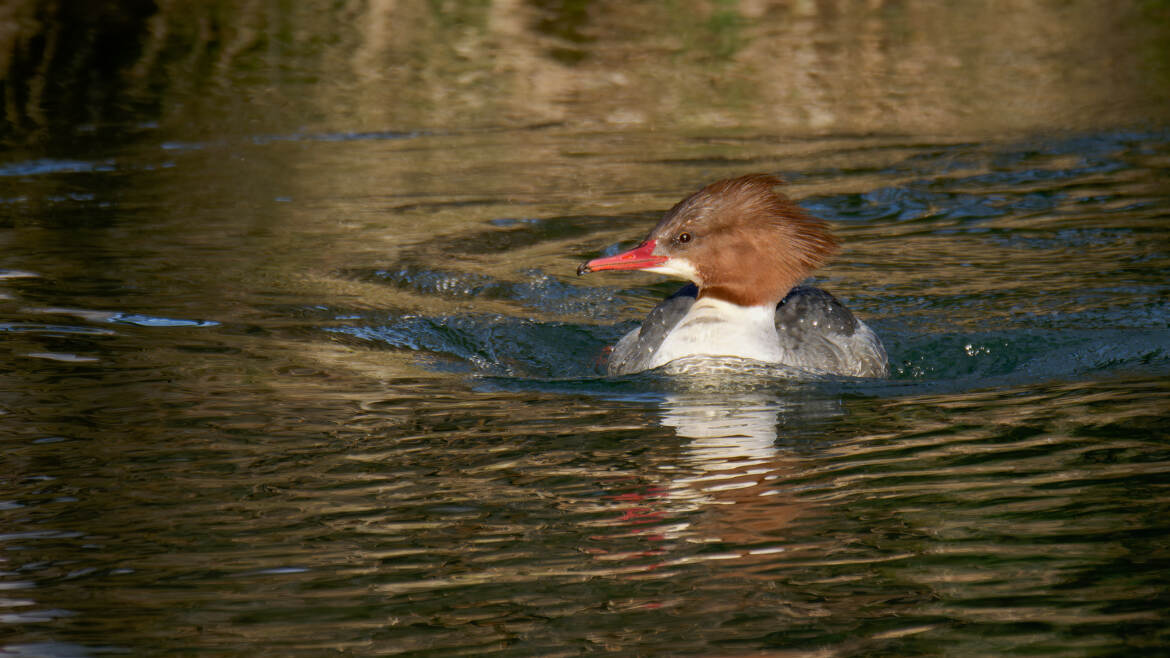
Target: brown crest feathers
760,242
810,240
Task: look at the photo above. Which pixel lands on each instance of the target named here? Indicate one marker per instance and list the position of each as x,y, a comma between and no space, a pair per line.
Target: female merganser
745,248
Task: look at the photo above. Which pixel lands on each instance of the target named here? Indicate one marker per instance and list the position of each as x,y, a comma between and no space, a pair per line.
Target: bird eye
684,237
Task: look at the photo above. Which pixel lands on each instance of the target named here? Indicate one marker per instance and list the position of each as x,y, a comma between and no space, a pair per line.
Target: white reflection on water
736,426
727,488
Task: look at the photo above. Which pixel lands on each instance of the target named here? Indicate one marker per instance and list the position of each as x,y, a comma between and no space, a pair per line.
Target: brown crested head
741,241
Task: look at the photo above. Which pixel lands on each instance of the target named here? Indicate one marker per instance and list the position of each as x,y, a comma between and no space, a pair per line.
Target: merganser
745,248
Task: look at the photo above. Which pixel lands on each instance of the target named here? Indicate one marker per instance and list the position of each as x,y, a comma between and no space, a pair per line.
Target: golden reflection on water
806,67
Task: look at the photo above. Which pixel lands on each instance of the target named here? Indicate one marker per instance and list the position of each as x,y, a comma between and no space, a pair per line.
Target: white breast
713,327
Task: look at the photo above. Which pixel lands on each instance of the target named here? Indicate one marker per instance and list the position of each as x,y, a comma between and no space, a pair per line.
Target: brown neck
744,295
766,278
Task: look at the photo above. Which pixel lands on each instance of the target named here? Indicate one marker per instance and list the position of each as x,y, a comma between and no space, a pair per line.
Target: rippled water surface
305,390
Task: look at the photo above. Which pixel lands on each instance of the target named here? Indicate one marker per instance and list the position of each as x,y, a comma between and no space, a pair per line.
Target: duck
746,251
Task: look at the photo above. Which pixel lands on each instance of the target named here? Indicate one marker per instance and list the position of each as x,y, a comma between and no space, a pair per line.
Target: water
311,382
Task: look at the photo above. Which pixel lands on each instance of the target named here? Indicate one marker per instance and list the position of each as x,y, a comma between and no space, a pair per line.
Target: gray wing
821,334
632,353
816,331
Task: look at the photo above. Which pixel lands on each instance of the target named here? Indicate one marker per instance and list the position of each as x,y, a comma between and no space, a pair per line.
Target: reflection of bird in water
727,485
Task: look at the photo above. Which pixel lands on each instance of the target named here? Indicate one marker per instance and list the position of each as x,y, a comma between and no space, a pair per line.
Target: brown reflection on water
719,498
821,67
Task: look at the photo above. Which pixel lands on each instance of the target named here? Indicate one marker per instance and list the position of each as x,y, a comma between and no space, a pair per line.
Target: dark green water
327,384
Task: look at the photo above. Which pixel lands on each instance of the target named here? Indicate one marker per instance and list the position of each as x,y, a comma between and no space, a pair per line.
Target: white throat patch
677,267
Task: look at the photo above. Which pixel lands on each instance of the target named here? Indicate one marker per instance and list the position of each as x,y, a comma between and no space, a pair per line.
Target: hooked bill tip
583,269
